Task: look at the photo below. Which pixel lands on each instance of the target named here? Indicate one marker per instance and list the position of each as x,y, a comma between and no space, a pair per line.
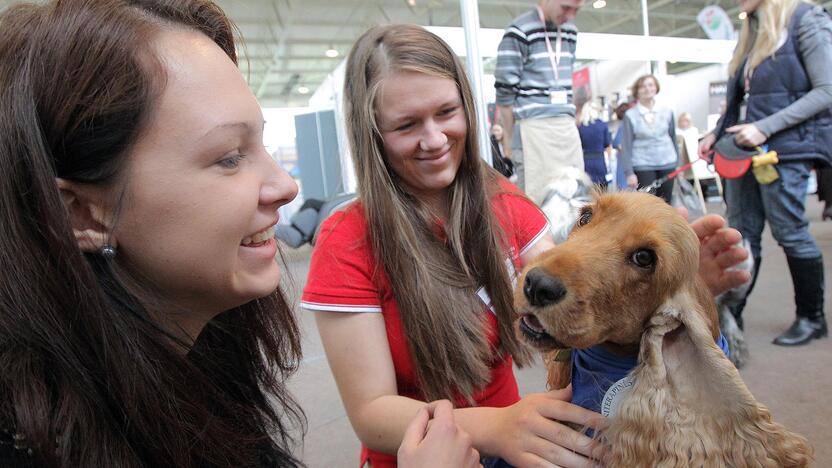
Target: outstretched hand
433,439
534,432
719,251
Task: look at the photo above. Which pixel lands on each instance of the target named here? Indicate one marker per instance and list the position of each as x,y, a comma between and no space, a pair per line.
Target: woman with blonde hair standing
780,95
412,285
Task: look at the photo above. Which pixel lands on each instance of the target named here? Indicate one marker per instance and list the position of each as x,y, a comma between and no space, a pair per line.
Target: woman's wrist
483,425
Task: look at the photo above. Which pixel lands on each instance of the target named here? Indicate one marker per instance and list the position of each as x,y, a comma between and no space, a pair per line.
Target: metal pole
645,25
471,25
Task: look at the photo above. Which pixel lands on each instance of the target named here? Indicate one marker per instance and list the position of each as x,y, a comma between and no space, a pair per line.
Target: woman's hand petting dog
433,439
719,252
535,432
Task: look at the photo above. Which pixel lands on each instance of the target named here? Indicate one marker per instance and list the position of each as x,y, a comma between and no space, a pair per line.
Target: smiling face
201,192
561,11
423,125
628,253
647,89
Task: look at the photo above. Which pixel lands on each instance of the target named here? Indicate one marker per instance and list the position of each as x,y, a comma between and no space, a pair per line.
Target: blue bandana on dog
599,378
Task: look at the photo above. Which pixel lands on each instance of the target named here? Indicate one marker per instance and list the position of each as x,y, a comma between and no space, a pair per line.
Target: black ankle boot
802,331
807,277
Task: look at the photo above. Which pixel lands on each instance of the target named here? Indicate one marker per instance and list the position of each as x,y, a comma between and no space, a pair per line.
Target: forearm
626,149
815,32
671,132
482,424
814,101
507,121
380,424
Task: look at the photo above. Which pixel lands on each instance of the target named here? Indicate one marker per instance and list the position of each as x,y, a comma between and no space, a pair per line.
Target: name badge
558,97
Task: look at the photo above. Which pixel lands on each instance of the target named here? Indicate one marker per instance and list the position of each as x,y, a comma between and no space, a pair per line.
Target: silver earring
108,252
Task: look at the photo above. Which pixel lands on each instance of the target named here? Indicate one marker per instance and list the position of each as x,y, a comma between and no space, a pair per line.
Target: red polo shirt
345,277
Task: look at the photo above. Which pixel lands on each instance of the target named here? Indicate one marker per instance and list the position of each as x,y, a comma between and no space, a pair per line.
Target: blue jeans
782,203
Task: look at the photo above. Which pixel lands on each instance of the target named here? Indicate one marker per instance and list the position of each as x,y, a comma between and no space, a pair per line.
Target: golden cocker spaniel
627,280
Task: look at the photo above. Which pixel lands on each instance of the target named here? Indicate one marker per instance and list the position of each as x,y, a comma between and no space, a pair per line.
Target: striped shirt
524,76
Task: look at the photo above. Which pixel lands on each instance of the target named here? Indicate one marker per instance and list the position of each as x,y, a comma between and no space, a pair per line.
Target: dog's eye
586,215
644,258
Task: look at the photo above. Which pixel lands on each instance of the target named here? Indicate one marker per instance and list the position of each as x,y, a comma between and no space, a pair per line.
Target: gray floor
792,382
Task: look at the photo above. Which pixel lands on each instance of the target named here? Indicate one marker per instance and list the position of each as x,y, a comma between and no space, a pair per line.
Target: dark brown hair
641,80
434,282
87,378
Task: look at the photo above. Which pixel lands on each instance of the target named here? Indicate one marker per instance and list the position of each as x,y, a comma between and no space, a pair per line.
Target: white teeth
259,237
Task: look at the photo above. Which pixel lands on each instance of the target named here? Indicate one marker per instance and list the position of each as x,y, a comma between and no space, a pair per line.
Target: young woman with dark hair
139,319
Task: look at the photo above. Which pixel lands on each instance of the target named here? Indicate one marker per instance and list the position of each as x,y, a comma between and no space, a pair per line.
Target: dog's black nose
542,289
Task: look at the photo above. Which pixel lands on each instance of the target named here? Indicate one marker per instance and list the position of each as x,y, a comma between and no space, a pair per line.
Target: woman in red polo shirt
412,284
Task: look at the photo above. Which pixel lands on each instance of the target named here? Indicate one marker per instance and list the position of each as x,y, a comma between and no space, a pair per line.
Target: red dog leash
658,182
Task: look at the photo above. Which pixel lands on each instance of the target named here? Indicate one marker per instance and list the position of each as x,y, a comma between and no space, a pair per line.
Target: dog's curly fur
688,405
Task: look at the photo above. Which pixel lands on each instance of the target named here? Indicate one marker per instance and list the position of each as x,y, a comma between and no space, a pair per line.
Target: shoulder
345,223
524,24
509,202
345,234
569,28
815,20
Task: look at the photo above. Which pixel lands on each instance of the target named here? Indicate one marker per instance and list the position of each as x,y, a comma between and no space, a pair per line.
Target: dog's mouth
534,333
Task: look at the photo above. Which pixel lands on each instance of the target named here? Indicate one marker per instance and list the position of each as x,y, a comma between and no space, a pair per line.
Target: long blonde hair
434,282
772,18
590,112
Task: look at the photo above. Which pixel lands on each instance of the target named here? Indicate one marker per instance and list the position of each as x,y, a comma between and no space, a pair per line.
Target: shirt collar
643,110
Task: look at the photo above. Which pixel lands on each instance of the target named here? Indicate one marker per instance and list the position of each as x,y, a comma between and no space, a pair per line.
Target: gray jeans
782,203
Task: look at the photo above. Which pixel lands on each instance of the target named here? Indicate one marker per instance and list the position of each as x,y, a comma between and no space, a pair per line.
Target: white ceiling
285,40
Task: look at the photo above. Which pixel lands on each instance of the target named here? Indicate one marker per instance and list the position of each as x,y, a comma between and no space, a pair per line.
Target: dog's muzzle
542,289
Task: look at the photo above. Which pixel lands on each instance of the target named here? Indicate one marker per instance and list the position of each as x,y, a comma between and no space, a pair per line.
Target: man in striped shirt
534,86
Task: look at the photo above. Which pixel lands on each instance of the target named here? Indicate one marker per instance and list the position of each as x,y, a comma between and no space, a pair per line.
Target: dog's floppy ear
688,404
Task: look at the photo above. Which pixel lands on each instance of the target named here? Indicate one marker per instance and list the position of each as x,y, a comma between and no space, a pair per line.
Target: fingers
415,431
707,225
442,411
546,454
721,241
563,394
735,128
683,212
730,257
561,410
733,278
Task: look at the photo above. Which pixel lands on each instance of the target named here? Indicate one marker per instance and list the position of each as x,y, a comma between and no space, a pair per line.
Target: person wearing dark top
780,95
596,143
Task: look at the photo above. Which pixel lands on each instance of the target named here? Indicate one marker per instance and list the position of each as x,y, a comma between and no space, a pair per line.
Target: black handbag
502,164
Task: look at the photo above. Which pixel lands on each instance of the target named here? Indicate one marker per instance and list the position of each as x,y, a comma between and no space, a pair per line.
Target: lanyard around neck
554,58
